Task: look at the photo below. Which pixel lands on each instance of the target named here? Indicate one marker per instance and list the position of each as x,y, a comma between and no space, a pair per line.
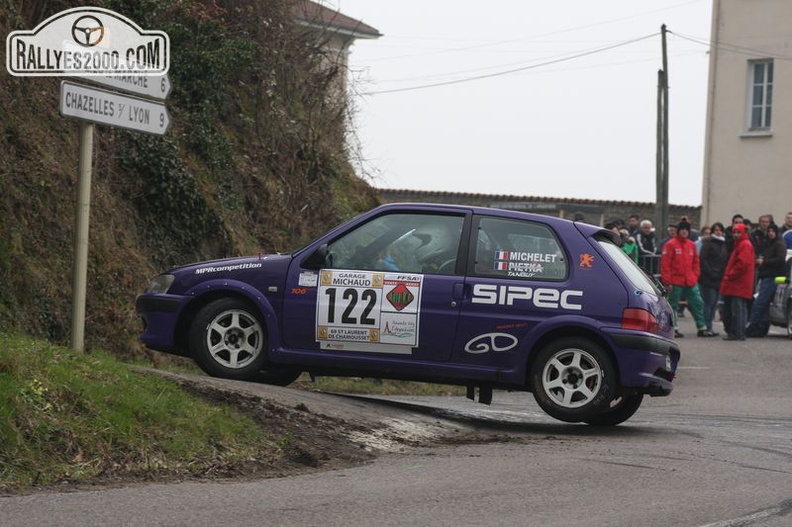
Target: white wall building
748,147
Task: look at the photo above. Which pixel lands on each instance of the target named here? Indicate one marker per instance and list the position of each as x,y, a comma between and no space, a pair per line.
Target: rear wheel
228,340
573,380
620,409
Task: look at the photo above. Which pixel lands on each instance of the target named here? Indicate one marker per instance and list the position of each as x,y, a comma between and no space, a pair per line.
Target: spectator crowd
720,270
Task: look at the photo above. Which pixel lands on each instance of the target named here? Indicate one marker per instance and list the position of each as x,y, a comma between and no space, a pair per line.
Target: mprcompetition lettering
541,297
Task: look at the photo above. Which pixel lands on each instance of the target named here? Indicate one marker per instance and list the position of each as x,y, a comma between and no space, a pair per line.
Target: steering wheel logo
88,31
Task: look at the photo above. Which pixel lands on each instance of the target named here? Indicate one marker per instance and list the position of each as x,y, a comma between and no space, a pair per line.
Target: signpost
105,48
92,105
154,86
114,109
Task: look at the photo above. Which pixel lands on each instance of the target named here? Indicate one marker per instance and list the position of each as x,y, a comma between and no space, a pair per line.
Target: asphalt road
717,452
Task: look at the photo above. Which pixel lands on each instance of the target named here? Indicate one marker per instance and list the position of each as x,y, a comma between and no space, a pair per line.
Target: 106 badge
368,311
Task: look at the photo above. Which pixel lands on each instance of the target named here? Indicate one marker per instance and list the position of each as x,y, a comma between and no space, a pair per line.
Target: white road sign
113,109
155,86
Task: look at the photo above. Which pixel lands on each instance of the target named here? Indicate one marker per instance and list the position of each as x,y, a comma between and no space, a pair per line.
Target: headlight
161,284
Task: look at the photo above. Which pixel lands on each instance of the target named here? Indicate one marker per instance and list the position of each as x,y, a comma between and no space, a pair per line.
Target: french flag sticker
501,266
501,255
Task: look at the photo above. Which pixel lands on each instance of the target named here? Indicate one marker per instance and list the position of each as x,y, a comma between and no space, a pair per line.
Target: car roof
585,228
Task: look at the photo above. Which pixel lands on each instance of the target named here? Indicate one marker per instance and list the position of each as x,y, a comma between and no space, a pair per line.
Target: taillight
640,320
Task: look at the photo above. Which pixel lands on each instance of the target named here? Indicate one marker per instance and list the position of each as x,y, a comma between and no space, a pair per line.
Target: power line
724,46
515,70
536,37
447,74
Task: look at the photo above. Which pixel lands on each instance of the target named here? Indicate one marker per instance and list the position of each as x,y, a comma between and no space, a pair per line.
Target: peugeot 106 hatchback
484,298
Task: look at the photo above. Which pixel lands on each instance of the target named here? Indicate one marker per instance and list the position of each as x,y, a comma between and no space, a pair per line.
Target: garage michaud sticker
368,311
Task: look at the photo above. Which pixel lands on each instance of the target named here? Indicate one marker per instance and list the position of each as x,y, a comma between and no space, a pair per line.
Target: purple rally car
485,298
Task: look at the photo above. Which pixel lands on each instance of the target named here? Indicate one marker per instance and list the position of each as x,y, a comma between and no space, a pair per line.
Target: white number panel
368,311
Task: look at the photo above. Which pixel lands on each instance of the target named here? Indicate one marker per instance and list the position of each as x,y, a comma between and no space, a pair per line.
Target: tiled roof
513,197
317,15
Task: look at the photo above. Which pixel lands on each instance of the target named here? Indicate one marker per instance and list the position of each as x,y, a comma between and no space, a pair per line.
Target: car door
516,277
386,288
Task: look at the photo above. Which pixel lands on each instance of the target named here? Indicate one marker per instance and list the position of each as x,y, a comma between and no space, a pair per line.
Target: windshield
637,277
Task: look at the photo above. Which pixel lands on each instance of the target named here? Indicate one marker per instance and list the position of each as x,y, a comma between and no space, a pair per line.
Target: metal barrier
650,264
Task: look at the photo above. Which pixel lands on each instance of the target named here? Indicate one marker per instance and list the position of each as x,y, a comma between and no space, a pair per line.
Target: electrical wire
724,46
516,70
448,74
536,37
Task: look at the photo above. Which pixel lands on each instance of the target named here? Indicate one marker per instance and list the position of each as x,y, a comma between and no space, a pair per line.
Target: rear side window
637,277
518,249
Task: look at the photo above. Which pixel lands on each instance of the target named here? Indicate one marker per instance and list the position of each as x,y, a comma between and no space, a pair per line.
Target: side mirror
319,259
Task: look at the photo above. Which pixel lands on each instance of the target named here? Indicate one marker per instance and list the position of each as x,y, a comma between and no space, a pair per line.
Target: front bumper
159,314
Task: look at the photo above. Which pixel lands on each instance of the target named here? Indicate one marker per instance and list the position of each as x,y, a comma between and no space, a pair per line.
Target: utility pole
661,207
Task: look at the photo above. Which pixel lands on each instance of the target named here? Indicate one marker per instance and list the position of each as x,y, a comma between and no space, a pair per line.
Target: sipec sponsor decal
541,297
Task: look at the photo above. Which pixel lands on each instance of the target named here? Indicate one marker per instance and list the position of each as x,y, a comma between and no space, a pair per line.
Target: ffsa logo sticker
87,41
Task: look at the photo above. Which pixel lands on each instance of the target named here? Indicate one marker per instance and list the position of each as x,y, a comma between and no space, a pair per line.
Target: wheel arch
569,332
255,300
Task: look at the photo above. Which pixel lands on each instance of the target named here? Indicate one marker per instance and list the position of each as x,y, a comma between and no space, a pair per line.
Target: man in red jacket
679,271
737,285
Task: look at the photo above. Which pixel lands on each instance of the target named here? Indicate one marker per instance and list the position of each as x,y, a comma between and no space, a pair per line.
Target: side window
518,249
410,243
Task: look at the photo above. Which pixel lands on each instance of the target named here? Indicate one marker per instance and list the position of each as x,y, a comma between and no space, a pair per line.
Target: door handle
458,292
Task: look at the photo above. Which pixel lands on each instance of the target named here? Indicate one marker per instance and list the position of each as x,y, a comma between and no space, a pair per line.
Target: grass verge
68,417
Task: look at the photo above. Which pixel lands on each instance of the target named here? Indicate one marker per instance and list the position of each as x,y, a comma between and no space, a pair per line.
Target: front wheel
228,340
573,380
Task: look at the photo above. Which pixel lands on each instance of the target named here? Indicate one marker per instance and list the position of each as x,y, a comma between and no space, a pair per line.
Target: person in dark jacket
759,233
771,264
679,270
713,257
648,257
737,284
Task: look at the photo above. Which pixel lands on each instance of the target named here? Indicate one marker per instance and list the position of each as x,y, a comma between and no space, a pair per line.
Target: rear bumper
647,363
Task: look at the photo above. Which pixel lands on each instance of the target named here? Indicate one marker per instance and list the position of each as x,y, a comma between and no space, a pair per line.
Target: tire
621,409
789,321
277,376
228,340
573,380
